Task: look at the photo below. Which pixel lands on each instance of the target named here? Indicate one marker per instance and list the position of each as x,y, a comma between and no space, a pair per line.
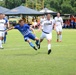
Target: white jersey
47,26
2,24
58,21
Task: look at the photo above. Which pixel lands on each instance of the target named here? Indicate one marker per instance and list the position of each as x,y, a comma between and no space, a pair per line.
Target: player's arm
41,26
61,21
7,24
54,24
32,30
10,28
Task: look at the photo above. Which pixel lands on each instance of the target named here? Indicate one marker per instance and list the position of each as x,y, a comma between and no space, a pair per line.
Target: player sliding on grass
25,30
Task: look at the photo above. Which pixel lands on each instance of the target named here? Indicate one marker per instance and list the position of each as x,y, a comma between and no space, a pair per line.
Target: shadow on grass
33,54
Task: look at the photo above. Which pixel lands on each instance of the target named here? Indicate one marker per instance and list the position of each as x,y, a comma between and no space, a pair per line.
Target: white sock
57,36
1,43
60,37
49,46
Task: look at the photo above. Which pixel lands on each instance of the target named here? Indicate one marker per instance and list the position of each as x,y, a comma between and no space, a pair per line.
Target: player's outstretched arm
10,28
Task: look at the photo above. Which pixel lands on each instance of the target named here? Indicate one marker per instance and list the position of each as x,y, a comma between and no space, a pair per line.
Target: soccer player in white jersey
7,25
58,27
47,31
2,29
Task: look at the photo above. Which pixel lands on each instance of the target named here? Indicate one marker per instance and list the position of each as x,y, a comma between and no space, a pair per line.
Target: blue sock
31,44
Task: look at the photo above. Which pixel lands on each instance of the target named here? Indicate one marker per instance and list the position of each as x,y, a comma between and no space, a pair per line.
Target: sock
60,37
4,39
31,44
37,42
0,43
57,36
49,46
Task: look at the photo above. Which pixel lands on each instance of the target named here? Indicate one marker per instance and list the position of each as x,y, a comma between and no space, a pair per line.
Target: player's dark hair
20,20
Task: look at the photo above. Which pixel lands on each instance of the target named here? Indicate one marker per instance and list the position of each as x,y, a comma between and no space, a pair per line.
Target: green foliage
2,3
63,6
12,3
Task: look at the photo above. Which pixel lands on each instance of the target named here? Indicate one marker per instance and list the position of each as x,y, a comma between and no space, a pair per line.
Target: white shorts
47,36
58,28
2,34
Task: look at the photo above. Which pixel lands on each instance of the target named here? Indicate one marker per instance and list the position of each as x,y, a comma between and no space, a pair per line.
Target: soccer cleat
49,51
1,48
35,48
38,45
57,40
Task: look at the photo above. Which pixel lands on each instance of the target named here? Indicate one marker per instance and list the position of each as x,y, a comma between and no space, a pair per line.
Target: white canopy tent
46,10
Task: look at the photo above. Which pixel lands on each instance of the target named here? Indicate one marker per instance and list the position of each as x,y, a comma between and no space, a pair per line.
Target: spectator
72,21
68,23
34,24
75,21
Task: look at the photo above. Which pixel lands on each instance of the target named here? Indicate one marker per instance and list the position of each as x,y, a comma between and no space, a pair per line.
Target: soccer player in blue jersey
26,31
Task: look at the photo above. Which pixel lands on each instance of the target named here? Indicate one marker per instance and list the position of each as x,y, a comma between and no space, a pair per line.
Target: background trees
63,6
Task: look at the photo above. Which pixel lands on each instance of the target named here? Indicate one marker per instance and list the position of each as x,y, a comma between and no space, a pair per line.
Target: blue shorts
29,36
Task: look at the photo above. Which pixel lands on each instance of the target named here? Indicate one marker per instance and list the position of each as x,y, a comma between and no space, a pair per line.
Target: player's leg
1,38
57,36
30,43
5,37
37,42
43,35
57,32
60,34
49,38
33,37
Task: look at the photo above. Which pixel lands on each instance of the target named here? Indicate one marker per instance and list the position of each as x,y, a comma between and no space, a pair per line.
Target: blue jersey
25,29
6,20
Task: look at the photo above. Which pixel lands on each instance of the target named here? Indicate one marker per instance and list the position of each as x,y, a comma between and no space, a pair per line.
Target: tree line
62,6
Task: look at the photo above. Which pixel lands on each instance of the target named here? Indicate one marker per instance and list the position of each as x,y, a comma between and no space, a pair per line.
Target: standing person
7,25
47,31
2,29
42,19
25,30
58,27
34,23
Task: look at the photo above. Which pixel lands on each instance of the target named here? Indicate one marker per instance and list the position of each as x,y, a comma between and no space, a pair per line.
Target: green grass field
18,58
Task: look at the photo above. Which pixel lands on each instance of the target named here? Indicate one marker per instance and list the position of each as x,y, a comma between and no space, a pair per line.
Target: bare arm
32,30
10,28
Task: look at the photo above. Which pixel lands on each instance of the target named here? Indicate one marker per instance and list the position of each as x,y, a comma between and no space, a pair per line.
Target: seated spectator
68,23
34,24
